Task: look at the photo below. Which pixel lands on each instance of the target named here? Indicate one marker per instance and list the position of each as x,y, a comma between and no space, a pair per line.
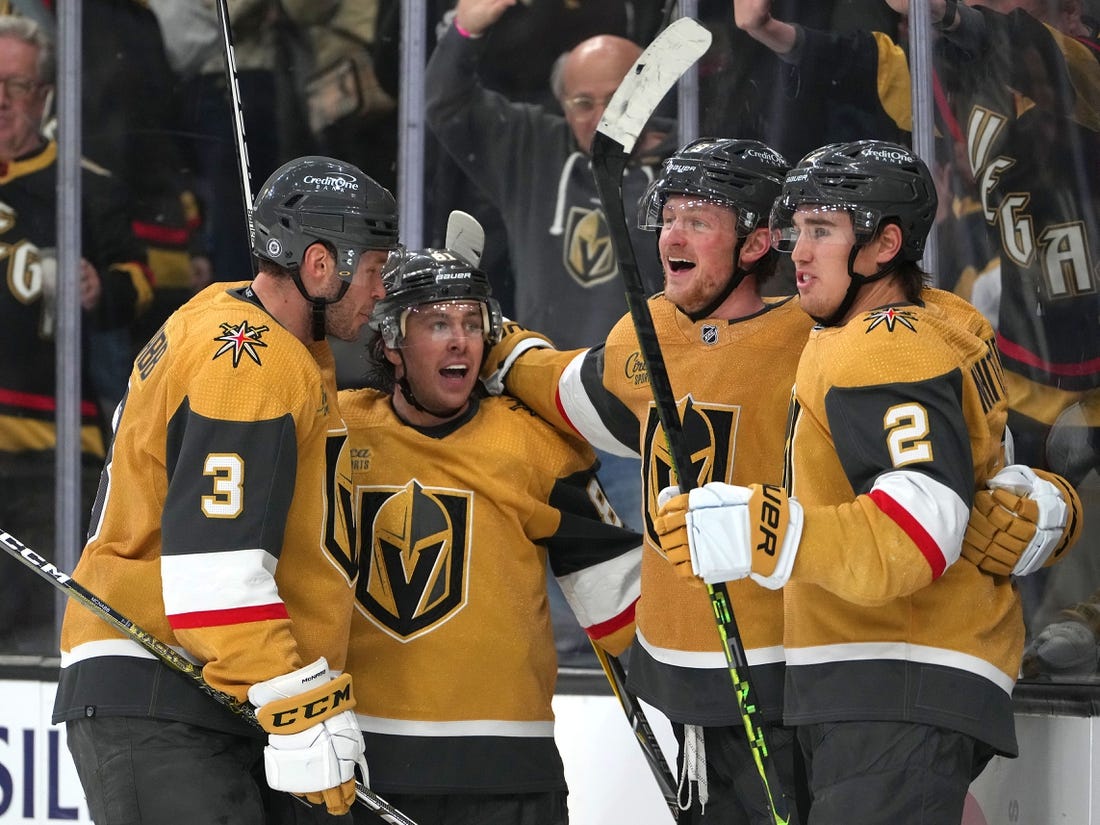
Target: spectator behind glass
113,289
130,126
350,115
516,59
265,40
533,165
1021,126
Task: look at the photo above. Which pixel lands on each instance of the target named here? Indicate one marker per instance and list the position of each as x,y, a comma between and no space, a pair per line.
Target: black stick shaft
167,655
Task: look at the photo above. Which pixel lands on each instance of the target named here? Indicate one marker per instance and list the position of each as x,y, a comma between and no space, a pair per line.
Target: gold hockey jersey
896,418
451,648
221,523
732,382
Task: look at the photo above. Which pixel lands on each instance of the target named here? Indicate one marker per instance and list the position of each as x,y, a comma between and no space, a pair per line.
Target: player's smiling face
696,246
441,353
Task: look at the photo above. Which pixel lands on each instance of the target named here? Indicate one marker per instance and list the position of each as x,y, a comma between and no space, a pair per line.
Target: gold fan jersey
732,382
221,524
896,418
28,241
451,646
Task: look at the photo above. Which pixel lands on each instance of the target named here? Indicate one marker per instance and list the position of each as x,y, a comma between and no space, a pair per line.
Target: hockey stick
466,236
177,662
653,75
238,121
635,714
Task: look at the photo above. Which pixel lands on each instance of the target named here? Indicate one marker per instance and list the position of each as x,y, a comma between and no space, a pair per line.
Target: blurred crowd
165,214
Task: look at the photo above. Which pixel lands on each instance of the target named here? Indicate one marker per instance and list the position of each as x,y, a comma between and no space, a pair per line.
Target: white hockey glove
1019,522
314,741
514,341
722,532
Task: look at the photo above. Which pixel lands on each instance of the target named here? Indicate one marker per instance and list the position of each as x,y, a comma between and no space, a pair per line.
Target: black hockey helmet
744,174
873,180
316,198
430,276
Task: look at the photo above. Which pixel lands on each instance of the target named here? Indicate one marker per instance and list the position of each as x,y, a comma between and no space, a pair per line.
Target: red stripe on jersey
42,403
1025,356
167,235
920,537
233,615
561,411
601,629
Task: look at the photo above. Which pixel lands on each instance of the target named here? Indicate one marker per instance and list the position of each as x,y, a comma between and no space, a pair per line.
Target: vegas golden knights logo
710,432
414,556
587,254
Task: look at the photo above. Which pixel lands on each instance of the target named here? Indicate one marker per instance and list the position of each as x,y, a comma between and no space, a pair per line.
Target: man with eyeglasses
112,289
533,165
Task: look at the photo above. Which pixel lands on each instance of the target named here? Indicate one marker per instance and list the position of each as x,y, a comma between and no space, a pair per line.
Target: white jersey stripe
578,408
935,506
902,651
230,579
588,593
471,727
708,660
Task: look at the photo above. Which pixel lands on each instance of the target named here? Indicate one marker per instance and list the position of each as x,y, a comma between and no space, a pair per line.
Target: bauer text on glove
731,532
314,742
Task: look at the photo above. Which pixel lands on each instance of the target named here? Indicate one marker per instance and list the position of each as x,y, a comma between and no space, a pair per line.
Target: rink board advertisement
37,779
1053,781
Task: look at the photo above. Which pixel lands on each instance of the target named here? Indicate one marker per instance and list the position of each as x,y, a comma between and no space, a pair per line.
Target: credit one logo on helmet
891,155
335,182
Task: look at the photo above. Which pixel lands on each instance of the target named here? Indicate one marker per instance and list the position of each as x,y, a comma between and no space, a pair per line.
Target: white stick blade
651,77
465,236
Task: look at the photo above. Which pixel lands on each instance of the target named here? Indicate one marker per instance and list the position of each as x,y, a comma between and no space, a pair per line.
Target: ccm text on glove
314,743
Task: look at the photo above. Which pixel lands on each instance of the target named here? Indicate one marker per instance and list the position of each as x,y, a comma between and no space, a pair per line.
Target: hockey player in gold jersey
220,527
461,500
901,655
731,359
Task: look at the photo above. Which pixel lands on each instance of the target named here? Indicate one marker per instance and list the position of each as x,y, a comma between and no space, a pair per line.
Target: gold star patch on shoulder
891,317
240,339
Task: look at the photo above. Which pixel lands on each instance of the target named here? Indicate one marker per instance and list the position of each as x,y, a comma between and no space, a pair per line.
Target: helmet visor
692,213
442,322
819,223
362,267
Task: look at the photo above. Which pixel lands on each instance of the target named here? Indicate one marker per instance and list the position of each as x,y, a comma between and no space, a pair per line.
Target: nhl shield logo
412,575
709,334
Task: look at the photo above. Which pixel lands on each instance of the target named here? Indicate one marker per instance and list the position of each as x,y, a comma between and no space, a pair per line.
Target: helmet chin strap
855,283
739,274
406,391
317,306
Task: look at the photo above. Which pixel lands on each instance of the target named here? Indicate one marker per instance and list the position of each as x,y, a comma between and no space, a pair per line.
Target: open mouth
679,265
